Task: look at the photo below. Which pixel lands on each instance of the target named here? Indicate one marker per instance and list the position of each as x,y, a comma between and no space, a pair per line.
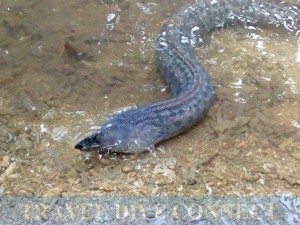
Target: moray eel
139,129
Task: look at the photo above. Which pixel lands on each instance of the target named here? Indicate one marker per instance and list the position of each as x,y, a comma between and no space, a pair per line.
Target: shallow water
249,144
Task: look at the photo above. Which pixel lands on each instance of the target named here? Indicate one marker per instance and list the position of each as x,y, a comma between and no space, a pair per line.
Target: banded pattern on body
139,129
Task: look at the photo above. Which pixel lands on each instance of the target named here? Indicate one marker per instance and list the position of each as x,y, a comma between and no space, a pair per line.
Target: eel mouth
79,146
87,144
87,141
82,146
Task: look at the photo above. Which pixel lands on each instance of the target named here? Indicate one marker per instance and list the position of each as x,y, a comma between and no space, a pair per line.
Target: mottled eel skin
139,129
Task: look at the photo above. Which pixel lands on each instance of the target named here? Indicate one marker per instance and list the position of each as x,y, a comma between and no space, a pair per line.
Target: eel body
140,128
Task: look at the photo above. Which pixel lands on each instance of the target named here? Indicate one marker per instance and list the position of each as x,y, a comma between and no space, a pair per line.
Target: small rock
24,187
105,162
56,191
24,142
106,187
192,181
27,130
291,180
284,175
139,183
5,161
128,168
163,181
154,191
6,133
131,177
134,156
172,166
268,168
24,193
10,169
167,177
251,178
93,172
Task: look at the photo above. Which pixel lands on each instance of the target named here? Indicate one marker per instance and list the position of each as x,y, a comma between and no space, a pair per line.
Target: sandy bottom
51,92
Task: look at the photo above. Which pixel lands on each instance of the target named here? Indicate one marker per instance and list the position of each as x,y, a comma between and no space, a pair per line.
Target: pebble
155,190
171,163
10,169
105,162
172,167
251,178
27,130
56,191
24,193
131,177
5,161
290,180
24,187
133,156
24,142
268,168
192,181
93,172
284,175
167,178
139,183
5,133
106,187
127,168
